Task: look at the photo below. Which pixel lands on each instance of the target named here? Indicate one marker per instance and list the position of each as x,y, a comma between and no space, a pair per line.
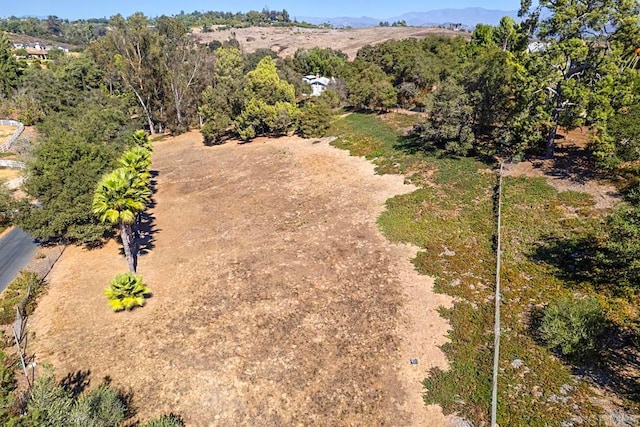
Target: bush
573,326
165,421
315,119
126,292
99,407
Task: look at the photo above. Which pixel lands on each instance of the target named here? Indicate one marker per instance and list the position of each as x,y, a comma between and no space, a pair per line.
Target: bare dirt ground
276,300
569,170
285,41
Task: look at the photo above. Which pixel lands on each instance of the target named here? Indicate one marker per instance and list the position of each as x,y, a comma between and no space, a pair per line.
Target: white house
318,84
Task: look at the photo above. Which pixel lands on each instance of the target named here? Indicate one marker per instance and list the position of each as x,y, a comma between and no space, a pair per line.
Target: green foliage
102,406
126,292
49,403
331,98
140,139
621,253
264,84
120,196
260,118
315,119
624,130
450,123
583,82
165,421
7,386
320,61
251,60
369,87
79,32
138,160
7,207
270,109
61,177
9,70
573,326
27,283
224,100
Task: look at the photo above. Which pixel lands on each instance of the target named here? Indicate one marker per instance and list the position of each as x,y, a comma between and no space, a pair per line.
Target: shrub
126,292
170,420
573,326
101,406
315,119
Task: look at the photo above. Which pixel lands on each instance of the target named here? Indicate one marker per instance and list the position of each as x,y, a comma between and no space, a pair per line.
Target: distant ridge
468,17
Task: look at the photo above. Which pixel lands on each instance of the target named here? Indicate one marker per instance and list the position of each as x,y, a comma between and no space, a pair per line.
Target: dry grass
6,132
285,41
276,300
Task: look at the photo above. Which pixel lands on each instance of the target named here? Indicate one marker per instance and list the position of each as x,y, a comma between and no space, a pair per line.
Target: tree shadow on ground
570,161
615,365
76,382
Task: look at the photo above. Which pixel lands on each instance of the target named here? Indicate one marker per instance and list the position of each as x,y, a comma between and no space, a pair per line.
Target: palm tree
119,197
139,138
138,159
126,292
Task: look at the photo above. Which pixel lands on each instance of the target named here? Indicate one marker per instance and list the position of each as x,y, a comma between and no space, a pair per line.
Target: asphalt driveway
16,250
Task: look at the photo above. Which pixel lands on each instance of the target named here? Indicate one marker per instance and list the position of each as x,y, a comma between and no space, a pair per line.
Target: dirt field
276,300
285,41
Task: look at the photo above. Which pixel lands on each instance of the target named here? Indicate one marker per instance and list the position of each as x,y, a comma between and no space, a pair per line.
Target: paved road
16,250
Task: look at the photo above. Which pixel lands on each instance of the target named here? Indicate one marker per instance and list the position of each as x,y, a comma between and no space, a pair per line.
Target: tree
225,99
583,45
119,197
482,36
7,206
183,65
265,83
450,123
61,178
369,87
9,70
132,51
325,62
271,108
315,118
138,160
126,292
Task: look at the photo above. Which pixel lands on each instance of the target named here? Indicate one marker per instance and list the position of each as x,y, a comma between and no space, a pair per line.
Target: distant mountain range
468,17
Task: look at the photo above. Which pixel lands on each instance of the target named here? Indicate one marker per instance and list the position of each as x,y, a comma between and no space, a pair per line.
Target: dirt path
276,299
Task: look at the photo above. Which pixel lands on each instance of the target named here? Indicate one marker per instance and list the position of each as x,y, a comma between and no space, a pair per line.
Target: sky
76,9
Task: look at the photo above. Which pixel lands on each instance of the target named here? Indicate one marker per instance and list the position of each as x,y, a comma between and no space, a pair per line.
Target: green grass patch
16,294
451,218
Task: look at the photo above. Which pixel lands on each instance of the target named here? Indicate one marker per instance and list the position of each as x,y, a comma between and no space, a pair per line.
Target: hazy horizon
75,9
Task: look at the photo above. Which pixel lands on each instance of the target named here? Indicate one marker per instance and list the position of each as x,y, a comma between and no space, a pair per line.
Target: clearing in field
276,300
